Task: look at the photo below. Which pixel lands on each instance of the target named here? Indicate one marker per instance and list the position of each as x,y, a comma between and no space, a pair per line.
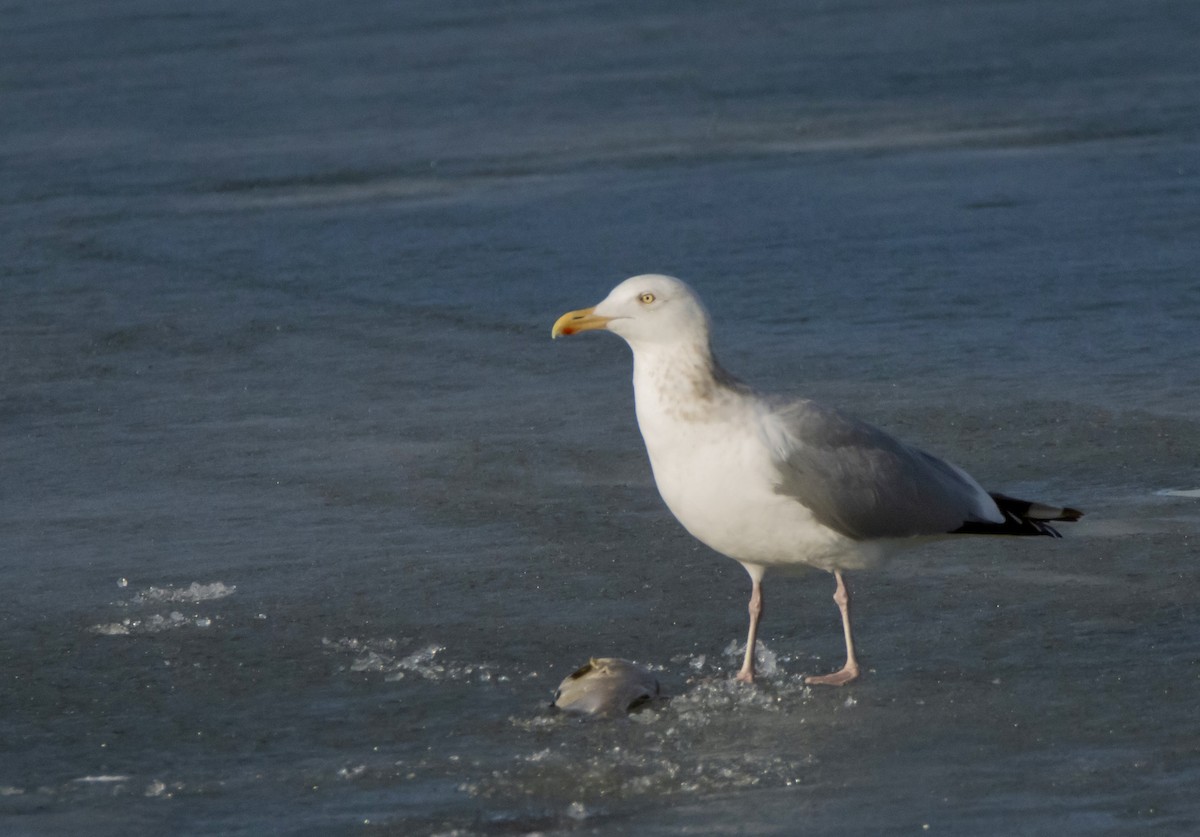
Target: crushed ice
194,593
385,656
695,743
766,661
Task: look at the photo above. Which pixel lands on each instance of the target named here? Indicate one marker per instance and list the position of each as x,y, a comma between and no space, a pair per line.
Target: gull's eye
646,298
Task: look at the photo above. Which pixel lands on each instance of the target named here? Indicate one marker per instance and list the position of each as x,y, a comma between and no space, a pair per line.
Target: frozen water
303,516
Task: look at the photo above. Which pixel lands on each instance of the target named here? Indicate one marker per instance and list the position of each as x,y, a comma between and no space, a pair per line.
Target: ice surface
275,298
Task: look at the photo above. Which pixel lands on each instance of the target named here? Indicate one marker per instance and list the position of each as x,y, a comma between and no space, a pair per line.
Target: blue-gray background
302,515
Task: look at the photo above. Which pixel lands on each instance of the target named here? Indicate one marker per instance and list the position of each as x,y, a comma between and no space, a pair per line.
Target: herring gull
771,482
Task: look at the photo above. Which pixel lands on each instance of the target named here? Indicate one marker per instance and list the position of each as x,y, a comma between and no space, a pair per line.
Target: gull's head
644,310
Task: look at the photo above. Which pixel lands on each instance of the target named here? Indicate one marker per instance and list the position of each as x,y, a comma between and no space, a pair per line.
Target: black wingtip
1021,517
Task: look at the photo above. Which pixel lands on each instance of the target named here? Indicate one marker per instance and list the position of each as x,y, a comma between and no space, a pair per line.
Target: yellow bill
581,320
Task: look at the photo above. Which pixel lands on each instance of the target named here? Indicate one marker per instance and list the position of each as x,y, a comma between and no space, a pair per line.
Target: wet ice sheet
275,299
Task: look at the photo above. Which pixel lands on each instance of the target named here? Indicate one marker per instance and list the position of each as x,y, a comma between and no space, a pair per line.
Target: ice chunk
194,592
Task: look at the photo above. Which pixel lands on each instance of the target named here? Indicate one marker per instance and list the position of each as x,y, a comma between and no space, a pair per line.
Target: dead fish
606,687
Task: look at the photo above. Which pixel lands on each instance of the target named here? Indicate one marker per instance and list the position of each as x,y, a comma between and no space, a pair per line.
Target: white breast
716,473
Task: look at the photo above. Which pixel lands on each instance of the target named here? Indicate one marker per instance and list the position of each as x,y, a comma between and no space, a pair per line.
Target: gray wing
864,483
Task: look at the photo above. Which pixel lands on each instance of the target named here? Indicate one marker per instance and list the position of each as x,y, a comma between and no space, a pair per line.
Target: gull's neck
680,382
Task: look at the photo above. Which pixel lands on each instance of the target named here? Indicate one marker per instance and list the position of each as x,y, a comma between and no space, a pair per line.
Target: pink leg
746,675
850,669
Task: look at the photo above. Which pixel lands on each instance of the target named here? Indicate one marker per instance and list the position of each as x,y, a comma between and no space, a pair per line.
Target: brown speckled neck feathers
691,384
